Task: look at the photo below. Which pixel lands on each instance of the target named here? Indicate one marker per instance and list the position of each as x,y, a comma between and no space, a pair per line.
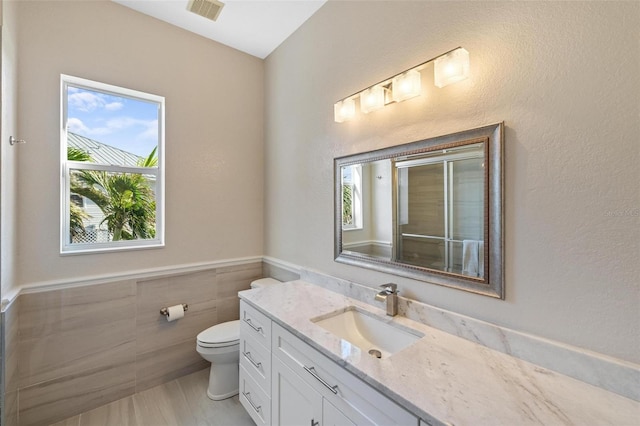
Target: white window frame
356,198
66,247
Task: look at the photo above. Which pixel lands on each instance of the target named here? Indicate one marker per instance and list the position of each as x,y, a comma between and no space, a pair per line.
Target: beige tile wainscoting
71,349
10,363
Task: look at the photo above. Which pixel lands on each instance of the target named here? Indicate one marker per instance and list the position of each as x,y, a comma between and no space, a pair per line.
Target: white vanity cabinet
284,381
331,416
255,364
296,402
332,396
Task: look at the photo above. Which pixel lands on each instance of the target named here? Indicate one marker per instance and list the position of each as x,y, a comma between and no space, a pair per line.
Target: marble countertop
442,378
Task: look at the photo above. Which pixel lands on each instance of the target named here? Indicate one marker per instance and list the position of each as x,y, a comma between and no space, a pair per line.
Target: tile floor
181,402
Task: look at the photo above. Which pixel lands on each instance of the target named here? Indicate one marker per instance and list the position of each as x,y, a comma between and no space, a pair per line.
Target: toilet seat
220,335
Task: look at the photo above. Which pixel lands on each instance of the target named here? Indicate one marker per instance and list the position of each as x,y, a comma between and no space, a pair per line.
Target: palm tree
76,214
76,154
76,220
151,160
347,204
127,200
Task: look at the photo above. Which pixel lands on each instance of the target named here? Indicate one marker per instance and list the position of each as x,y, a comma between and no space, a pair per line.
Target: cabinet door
331,416
294,402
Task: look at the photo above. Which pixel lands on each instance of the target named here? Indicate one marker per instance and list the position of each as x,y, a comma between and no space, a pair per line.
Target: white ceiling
256,27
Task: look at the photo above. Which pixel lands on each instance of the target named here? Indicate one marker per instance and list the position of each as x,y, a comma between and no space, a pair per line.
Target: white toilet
220,345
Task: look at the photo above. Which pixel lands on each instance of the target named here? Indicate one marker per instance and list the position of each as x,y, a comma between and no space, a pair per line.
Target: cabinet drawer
254,399
258,325
353,397
255,358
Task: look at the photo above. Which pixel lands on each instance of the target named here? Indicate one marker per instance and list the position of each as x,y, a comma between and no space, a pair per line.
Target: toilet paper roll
175,312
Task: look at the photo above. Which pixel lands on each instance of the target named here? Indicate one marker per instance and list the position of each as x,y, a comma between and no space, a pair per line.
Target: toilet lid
226,332
264,282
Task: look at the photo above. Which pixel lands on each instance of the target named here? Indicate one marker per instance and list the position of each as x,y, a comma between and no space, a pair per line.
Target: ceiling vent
209,9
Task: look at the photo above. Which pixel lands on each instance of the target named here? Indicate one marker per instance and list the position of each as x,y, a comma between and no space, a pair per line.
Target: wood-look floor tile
71,421
204,411
161,405
182,402
118,413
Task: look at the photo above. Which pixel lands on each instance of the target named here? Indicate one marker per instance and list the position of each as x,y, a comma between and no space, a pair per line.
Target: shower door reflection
441,210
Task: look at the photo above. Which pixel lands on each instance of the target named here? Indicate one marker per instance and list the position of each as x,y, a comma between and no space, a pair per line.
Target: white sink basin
367,331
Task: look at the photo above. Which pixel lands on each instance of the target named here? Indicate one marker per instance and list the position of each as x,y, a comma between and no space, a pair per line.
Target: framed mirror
430,210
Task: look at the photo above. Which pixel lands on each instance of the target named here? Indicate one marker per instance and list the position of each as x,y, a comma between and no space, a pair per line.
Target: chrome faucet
390,294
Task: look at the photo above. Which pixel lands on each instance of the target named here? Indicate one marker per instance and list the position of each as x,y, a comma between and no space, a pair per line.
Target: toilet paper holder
165,311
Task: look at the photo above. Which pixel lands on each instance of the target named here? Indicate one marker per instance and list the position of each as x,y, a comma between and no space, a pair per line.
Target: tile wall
280,273
83,347
10,365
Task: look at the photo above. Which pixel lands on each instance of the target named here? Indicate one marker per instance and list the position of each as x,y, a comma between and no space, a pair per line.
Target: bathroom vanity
300,364
283,380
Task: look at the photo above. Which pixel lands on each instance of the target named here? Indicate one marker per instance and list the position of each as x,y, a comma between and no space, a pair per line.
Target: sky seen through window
122,122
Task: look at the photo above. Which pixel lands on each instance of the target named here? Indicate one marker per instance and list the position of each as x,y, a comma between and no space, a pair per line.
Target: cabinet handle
257,329
312,371
314,423
247,355
247,395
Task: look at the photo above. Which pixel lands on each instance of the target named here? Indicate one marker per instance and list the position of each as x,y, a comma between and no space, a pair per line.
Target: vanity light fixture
449,67
372,98
406,85
344,110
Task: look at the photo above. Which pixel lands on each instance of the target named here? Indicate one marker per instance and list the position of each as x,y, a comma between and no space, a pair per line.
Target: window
352,197
112,158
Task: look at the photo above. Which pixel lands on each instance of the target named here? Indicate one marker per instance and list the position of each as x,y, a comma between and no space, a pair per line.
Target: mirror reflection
441,211
367,209
424,210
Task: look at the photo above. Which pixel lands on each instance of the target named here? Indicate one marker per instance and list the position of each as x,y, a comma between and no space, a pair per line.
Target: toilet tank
264,282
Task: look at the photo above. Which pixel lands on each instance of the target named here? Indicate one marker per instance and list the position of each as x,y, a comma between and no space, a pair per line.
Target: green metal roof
102,153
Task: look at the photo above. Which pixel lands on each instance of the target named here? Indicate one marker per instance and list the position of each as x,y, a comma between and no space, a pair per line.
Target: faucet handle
390,288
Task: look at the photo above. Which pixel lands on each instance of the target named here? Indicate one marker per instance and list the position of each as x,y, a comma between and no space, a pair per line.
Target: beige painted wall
565,78
214,134
8,154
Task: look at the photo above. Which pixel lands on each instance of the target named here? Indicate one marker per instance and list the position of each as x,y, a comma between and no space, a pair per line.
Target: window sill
76,250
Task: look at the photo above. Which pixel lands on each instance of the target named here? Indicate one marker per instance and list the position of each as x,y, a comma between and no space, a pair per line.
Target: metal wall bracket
14,141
